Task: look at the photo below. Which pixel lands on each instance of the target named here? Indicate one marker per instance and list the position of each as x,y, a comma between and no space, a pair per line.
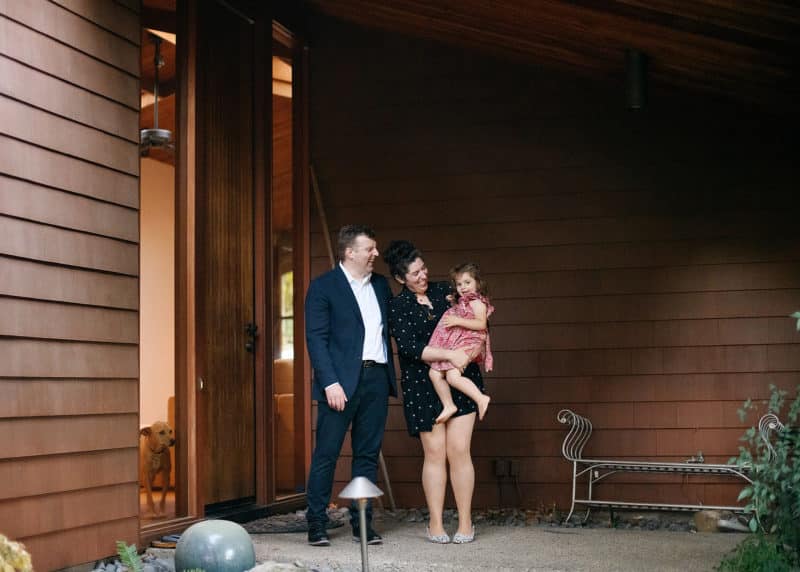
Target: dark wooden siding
69,265
642,264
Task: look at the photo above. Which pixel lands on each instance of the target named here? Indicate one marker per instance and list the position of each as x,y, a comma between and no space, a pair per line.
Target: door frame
188,460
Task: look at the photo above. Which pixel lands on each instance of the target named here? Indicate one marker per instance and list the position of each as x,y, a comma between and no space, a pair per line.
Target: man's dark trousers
366,410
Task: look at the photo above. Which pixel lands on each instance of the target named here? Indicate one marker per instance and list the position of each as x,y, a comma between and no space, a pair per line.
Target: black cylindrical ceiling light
635,79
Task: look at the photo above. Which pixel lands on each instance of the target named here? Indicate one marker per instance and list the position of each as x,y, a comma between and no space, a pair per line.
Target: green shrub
773,499
13,556
756,554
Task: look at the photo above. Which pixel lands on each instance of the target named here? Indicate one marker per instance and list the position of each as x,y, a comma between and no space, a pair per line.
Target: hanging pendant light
155,137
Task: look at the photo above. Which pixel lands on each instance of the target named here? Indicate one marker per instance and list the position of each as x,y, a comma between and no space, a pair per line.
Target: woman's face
416,279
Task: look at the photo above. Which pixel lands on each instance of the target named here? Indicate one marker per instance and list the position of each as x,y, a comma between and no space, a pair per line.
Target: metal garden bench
598,469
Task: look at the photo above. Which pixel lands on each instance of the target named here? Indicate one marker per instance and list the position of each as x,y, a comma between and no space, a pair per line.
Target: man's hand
336,397
459,359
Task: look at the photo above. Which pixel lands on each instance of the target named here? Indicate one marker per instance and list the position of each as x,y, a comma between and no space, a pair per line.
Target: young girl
463,327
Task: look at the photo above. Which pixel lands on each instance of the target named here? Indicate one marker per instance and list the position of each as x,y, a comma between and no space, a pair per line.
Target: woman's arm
408,345
477,323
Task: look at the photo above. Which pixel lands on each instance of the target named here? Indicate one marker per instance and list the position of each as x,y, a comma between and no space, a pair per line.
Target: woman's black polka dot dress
411,324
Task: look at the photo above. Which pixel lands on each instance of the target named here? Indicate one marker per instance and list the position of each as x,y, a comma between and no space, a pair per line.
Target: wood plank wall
642,264
69,265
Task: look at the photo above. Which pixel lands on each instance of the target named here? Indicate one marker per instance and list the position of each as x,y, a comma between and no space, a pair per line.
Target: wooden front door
225,223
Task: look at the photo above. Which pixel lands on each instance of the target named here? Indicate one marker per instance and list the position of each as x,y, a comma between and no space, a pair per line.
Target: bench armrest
768,424
579,432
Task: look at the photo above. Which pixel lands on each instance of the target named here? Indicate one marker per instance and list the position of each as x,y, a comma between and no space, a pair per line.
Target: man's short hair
348,235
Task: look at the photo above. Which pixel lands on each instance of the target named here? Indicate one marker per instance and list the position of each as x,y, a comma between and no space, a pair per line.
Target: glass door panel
282,249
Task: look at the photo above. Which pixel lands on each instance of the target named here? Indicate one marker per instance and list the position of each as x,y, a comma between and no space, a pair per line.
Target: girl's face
466,283
416,279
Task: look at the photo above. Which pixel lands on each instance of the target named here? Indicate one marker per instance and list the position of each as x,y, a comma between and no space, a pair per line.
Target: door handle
251,329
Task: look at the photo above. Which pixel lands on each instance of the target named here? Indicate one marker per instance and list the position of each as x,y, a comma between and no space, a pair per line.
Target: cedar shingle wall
642,264
69,265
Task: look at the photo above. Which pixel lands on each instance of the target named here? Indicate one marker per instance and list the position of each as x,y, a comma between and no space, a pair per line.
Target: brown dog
156,459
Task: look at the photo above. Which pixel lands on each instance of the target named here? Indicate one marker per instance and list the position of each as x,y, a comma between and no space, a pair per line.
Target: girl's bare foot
447,413
483,405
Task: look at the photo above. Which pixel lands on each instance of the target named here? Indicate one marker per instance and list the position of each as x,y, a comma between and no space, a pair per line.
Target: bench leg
589,508
572,508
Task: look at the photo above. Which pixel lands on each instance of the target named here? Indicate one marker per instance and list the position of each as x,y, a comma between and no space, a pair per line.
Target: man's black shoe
317,535
372,536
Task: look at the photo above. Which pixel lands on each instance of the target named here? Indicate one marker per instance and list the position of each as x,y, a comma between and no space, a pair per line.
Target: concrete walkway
531,548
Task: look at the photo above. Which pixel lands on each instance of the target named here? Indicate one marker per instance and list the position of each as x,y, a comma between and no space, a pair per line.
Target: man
348,343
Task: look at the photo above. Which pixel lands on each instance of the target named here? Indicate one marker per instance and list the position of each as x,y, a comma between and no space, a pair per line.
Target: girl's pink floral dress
462,338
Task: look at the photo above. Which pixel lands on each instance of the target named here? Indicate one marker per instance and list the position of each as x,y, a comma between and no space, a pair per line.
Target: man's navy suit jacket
335,332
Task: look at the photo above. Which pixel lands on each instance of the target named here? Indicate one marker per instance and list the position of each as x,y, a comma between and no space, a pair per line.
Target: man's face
363,254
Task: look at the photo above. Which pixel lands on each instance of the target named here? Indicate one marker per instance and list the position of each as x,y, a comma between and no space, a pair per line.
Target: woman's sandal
437,538
459,538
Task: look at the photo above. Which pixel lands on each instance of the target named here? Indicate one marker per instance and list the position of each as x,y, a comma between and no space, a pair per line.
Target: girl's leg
445,396
434,475
468,388
462,472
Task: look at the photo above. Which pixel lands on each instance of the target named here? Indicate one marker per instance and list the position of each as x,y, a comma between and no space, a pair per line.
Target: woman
413,315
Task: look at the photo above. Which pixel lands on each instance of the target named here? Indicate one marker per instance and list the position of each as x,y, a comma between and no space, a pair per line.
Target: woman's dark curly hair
399,255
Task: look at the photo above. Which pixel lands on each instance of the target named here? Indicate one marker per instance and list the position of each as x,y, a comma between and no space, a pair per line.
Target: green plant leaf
753,524
129,556
746,492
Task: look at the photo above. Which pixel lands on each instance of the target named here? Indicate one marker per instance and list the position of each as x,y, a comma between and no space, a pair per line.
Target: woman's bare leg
442,389
466,386
434,475
462,472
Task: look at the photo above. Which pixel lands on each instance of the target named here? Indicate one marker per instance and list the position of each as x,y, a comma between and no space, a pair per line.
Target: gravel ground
510,539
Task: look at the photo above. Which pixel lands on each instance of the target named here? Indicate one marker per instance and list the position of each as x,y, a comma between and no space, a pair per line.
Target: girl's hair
473,270
399,255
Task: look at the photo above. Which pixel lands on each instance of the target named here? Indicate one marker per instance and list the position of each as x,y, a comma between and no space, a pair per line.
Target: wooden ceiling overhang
744,50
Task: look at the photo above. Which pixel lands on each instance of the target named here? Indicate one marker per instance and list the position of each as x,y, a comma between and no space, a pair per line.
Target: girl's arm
477,323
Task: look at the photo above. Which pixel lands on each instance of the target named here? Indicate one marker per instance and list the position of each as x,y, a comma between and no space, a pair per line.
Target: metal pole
386,482
156,65
359,490
362,520
323,219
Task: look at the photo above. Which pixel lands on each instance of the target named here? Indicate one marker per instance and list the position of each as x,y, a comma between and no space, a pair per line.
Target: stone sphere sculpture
215,546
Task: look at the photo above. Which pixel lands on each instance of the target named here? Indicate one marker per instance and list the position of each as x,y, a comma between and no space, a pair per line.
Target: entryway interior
157,259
